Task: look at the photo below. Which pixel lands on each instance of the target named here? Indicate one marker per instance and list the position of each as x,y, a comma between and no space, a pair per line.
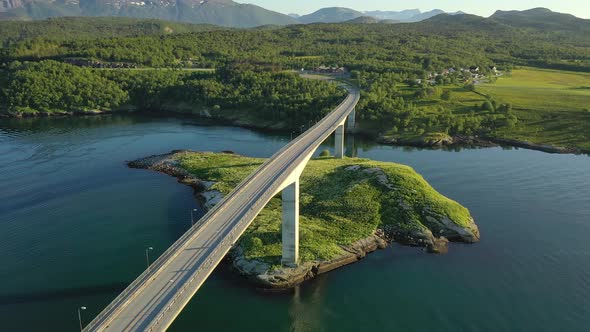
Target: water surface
75,222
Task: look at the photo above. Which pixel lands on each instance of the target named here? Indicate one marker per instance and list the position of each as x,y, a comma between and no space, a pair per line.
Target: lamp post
193,211
147,256
80,317
292,135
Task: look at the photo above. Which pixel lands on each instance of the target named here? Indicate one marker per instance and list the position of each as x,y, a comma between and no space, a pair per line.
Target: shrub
325,154
447,95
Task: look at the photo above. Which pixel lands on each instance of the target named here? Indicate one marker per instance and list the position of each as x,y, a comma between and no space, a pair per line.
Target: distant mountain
427,15
331,15
542,19
218,12
404,15
228,13
410,15
363,20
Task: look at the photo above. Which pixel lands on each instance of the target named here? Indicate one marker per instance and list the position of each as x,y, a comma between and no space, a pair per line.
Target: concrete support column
290,227
352,119
339,145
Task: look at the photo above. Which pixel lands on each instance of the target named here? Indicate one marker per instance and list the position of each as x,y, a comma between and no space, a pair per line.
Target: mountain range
219,12
232,14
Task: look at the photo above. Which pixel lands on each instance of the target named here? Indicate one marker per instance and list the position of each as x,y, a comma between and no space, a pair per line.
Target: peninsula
349,208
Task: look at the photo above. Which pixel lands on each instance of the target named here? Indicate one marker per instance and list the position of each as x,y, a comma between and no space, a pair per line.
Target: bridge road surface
157,296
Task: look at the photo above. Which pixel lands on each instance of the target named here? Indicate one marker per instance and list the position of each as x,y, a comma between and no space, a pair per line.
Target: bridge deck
155,298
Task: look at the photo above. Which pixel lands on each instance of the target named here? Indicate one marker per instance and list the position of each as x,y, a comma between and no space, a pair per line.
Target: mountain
363,20
454,24
542,19
95,27
426,15
409,15
331,15
404,15
219,12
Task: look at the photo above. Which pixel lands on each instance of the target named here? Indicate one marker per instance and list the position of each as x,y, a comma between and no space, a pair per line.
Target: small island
349,208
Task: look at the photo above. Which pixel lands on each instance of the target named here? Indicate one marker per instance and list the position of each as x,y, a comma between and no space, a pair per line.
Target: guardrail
213,261
123,299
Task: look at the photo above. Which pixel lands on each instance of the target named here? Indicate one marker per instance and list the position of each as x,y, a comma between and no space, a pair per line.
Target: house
474,69
494,69
330,70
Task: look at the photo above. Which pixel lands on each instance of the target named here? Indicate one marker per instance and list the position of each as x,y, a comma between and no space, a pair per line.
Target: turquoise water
75,222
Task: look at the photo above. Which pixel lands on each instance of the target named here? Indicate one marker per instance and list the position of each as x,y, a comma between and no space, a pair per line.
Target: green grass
461,103
338,206
553,106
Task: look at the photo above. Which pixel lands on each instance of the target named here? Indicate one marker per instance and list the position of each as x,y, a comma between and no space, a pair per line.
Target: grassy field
462,103
338,205
553,107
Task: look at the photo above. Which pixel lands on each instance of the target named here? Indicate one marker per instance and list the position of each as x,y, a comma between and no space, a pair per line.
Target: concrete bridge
157,296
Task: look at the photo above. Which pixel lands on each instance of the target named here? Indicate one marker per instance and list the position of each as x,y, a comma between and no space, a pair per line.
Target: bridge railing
123,299
213,261
225,245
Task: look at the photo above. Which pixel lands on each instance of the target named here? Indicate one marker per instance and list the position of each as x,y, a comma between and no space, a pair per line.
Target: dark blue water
75,222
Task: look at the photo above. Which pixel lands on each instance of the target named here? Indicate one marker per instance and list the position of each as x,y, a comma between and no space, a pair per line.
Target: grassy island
342,203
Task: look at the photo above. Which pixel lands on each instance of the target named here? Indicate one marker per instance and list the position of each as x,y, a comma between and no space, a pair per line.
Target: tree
447,95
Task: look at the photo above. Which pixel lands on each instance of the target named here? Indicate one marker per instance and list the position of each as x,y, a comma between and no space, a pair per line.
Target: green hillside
94,27
542,19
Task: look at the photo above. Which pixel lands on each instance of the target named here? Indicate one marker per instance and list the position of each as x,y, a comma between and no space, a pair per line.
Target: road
155,298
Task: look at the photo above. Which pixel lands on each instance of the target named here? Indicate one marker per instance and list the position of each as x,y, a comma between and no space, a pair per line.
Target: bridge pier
352,119
339,144
290,226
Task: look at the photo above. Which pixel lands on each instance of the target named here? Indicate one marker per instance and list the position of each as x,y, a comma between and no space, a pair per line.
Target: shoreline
264,126
265,276
257,271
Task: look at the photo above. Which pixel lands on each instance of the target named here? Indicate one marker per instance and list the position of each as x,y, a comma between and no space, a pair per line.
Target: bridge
158,295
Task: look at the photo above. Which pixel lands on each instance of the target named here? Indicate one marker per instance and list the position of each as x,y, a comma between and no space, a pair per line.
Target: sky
580,8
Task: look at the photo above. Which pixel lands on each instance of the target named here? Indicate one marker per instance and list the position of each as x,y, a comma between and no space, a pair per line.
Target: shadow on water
60,294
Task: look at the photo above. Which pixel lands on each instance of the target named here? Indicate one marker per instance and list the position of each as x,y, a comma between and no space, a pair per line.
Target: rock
211,198
288,277
455,232
438,246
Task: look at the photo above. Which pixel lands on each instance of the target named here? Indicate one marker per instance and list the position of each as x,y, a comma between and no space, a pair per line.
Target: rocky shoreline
259,272
265,276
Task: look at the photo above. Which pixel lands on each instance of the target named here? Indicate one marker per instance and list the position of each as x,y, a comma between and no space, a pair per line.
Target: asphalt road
155,298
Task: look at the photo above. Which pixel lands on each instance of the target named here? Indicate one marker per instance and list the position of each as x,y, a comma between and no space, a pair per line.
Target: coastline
230,117
257,271
266,276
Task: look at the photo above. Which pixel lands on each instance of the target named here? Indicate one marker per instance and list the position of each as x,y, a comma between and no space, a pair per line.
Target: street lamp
80,316
193,211
292,135
147,256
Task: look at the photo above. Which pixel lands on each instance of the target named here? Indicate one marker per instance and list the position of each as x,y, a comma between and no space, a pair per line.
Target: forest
50,86
254,71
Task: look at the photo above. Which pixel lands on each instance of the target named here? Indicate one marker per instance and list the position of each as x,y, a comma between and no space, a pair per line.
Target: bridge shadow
60,294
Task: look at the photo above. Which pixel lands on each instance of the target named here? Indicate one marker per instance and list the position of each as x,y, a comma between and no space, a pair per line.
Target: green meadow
553,107
339,205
